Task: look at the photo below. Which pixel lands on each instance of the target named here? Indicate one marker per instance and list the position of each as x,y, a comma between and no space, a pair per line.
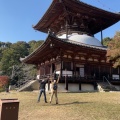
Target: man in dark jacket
42,89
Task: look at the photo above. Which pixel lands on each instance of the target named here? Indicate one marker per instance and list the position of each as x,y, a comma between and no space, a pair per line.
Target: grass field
72,106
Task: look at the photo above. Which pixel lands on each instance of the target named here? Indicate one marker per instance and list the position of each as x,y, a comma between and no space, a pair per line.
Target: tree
113,53
34,44
106,41
11,56
21,49
8,44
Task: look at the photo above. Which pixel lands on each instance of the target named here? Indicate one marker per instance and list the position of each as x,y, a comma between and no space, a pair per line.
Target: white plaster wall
73,87
87,87
117,87
61,87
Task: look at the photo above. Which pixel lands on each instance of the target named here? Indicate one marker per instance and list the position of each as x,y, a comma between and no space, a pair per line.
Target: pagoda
70,48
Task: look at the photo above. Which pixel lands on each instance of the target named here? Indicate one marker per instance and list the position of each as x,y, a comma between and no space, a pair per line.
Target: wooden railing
69,78
106,80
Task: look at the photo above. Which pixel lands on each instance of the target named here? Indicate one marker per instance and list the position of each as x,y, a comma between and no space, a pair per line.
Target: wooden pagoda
70,48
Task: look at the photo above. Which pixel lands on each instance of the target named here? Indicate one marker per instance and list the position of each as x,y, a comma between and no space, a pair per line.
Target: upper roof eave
46,20
49,11
34,52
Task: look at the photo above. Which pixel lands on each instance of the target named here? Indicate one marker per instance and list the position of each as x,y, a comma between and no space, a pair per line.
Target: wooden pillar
95,85
61,68
74,68
48,85
110,71
44,70
61,61
80,86
51,70
118,70
99,72
73,65
39,71
66,83
101,37
66,29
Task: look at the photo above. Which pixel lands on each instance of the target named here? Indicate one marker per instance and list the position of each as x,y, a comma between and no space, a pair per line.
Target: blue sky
18,16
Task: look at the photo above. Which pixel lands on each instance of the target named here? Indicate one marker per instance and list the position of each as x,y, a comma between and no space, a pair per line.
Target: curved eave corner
46,13
27,58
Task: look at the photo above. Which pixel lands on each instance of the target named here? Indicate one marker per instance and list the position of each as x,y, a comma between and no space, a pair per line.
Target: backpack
55,86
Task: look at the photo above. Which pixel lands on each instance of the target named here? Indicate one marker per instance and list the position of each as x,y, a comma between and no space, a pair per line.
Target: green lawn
72,106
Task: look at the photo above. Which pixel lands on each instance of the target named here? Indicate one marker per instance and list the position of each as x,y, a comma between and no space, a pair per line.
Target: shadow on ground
76,102
63,104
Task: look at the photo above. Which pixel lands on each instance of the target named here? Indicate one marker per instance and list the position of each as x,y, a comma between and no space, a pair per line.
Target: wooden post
39,71
48,85
66,81
99,72
95,86
66,29
61,64
118,70
44,70
101,37
79,85
110,71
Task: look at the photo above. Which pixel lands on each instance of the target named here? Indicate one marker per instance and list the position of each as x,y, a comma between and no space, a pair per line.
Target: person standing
42,89
54,89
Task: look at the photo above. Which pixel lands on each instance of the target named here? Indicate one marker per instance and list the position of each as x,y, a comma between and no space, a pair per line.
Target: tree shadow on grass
76,102
69,103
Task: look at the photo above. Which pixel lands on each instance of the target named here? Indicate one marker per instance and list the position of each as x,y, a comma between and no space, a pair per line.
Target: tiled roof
64,41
